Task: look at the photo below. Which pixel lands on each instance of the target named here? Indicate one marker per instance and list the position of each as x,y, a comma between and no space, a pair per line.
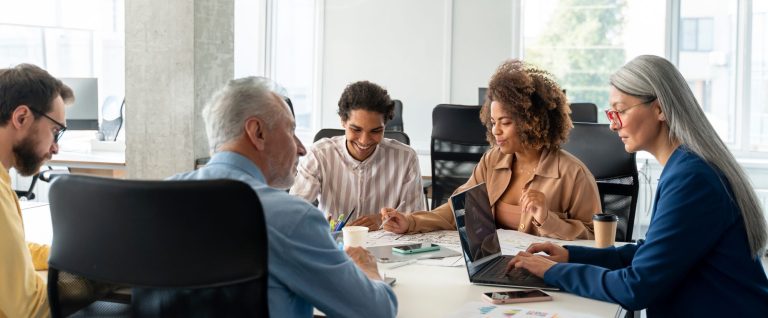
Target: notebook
480,243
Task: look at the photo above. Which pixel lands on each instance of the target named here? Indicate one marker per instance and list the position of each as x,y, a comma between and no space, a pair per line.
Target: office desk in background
75,153
98,163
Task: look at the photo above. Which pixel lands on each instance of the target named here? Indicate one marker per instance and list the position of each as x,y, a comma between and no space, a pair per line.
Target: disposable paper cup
605,229
354,235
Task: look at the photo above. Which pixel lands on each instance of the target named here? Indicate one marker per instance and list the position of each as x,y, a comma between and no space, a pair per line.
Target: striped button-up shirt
390,178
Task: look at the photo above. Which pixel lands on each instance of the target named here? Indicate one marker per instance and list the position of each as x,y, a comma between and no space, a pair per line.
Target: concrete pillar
177,53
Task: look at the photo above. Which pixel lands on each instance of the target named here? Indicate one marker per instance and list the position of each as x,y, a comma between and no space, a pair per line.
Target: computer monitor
84,113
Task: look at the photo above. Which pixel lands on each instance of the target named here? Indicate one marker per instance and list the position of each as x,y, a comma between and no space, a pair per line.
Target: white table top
422,290
433,291
438,291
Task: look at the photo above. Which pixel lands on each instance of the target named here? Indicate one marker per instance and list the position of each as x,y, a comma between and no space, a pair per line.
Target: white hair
648,77
239,99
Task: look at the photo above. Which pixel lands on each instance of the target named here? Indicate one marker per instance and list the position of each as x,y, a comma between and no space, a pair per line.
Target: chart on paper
379,238
513,242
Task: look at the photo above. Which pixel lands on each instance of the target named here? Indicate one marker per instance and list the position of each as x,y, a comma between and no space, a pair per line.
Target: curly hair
366,96
534,101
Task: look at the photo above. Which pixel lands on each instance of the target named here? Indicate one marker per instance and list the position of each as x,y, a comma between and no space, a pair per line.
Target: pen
343,223
389,218
385,222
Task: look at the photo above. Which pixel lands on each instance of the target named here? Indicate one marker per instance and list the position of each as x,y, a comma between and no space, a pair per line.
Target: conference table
441,288
422,290
425,287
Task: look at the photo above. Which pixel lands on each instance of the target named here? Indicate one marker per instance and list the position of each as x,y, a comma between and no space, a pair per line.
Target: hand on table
365,261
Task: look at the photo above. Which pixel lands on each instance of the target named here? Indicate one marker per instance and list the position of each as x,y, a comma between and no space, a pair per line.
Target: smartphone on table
516,296
415,248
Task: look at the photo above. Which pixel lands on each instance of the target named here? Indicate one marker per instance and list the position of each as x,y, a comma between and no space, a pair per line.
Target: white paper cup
354,235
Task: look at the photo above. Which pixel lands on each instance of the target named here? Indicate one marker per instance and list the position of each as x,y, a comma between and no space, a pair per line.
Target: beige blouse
570,188
507,215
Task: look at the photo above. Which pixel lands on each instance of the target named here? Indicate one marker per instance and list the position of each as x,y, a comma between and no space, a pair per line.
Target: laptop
480,243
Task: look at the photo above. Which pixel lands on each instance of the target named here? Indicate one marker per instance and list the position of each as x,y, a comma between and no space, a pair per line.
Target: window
68,38
759,78
696,34
700,89
21,44
712,70
583,42
292,59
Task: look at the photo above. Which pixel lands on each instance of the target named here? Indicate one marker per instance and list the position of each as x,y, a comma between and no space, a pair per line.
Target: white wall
380,41
424,52
482,39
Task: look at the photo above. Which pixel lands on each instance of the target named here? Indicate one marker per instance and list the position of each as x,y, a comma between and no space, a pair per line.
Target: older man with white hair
251,132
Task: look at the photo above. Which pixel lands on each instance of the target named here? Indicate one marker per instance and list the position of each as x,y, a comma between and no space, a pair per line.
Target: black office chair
615,171
584,112
332,132
396,123
45,176
458,143
290,105
187,248
28,194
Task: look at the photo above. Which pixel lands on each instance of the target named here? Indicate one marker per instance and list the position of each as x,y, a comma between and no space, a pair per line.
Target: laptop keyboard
497,274
499,270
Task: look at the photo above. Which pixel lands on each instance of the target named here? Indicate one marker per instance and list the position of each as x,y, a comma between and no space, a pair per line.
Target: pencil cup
605,229
354,235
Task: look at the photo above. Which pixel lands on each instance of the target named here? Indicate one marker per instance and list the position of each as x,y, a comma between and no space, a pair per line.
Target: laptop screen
476,226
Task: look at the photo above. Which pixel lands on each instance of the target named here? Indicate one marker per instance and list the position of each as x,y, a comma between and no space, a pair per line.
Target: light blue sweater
306,269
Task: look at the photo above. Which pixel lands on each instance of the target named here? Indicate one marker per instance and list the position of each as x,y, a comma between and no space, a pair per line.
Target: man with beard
31,123
252,134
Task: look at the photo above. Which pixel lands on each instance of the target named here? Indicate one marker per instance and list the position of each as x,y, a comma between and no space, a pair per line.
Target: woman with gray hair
701,255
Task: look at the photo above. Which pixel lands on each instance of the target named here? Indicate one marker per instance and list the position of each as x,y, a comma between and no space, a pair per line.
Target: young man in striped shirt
362,170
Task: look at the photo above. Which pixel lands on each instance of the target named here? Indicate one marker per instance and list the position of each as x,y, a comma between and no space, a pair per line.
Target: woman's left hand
535,202
536,264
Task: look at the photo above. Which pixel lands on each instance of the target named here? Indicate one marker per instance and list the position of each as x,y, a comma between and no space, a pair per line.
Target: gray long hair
648,77
225,113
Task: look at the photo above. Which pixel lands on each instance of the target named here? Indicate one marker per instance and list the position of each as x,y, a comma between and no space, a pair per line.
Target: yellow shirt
22,290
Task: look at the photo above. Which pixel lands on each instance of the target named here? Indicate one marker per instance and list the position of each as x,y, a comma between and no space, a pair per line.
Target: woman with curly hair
533,186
